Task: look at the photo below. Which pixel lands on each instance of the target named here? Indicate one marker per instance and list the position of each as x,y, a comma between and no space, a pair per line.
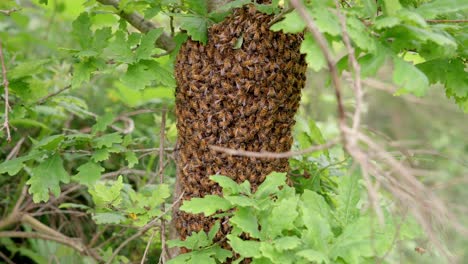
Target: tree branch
139,22
273,155
6,124
323,45
9,11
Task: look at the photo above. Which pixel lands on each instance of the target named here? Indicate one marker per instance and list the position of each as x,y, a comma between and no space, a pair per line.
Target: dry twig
9,11
6,124
274,155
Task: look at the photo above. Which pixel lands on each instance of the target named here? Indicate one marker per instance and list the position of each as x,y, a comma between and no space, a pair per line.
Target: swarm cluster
237,97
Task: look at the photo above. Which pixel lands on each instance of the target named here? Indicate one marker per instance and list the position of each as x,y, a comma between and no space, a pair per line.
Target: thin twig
142,230
6,124
45,98
281,15
162,136
9,11
356,68
147,247
324,47
14,151
62,240
447,21
6,259
274,155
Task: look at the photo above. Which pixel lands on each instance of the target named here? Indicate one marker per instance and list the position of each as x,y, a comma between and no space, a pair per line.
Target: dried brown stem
6,124
435,21
47,97
9,11
162,136
323,45
274,155
356,68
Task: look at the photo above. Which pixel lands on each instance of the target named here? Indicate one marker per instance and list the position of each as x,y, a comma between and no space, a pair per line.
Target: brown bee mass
243,98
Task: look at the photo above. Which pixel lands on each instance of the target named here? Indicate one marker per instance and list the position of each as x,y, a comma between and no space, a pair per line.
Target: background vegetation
87,168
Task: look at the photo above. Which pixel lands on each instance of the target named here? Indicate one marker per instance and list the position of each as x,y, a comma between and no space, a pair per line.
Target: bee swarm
243,98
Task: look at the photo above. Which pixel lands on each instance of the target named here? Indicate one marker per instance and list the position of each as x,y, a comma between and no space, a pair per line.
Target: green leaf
119,49
314,55
391,7
82,72
100,155
229,185
287,243
248,249
196,27
107,140
326,21
315,204
371,62
409,78
214,230
101,39
108,218
271,184
386,22
145,50
89,173
199,7
47,177
81,31
449,72
361,239
430,9
13,166
196,240
107,193
26,67
207,205
313,256
349,194
239,42
102,122
50,143
245,219
241,201
370,6
359,34
131,158
292,23
138,76
281,218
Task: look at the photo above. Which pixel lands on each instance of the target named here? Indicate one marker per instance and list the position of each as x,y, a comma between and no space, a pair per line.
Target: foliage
86,93
287,227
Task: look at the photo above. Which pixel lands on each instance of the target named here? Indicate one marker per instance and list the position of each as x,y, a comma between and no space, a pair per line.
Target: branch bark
143,25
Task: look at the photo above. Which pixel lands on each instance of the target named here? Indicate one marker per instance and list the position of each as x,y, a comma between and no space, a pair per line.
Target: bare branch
45,98
73,243
435,21
323,45
162,136
6,124
139,22
354,65
274,155
9,11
